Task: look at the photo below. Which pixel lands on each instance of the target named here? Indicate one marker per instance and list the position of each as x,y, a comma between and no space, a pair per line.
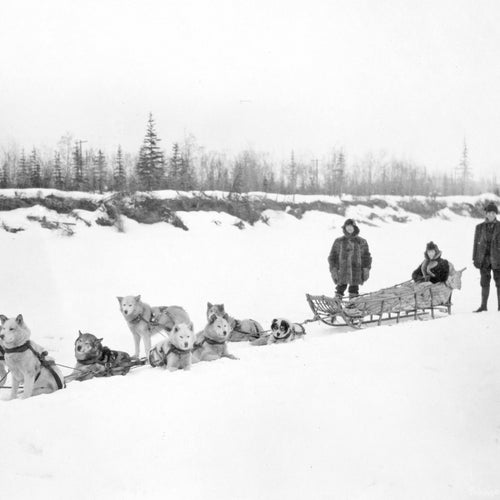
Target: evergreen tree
151,164
58,174
100,171
35,170
78,180
119,175
175,168
4,175
23,174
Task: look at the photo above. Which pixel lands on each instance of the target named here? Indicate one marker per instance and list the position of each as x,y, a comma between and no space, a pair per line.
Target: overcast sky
410,78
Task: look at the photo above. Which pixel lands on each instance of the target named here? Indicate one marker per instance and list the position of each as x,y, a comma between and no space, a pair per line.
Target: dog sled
404,300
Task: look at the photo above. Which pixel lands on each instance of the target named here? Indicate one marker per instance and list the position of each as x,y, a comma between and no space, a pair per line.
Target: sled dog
175,352
95,360
211,342
144,320
282,330
241,329
27,361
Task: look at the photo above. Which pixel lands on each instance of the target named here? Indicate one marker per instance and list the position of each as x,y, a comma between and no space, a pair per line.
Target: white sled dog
241,329
211,342
174,353
282,330
144,320
27,361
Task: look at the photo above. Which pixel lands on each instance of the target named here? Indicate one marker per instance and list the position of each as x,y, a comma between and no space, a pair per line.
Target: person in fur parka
350,260
433,268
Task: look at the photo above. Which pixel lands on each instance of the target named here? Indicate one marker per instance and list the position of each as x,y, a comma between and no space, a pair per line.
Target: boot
485,292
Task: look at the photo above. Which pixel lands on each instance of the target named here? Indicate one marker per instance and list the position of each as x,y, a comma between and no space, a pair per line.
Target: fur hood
350,222
432,246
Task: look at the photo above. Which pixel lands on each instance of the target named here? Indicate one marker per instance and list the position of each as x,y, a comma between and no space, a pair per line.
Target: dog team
37,373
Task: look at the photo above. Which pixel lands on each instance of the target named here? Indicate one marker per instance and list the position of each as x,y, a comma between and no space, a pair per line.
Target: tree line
188,167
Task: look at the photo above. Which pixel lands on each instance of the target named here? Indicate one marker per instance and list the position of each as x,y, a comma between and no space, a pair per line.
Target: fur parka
350,259
436,270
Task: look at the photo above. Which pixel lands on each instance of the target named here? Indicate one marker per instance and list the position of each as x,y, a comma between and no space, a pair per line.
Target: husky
175,352
282,330
241,329
211,342
95,360
144,320
27,361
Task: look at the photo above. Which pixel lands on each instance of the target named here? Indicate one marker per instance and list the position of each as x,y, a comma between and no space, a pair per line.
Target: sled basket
393,303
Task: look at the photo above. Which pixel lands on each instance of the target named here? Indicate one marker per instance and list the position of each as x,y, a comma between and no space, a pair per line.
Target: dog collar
213,342
19,348
285,337
177,350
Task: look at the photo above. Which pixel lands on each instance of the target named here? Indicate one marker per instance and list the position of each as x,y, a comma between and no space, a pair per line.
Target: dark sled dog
95,360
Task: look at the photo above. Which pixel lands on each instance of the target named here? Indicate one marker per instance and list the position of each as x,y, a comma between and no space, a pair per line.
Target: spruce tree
100,171
23,177
4,175
78,180
35,170
58,175
119,175
151,164
175,168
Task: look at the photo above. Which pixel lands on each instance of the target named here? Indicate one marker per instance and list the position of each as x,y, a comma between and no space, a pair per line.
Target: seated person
433,268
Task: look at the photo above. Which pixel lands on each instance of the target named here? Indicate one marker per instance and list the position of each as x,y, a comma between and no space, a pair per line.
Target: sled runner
408,299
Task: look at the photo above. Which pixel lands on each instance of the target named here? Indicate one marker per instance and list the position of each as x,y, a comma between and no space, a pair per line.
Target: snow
389,412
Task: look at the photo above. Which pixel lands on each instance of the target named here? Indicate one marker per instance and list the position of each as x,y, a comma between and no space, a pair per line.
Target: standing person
486,254
434,268
350,260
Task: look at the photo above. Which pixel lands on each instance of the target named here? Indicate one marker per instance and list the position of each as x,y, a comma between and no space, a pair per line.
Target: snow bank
390,412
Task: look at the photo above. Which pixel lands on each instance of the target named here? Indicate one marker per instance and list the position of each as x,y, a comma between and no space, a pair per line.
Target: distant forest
187,166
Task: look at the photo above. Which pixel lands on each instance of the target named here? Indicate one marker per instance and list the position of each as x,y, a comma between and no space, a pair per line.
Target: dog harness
285,337
173,349
41,357
152,321
237,329
209,341
2,354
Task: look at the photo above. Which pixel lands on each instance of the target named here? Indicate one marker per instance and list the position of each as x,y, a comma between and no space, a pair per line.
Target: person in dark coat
486,254
350,260
433,268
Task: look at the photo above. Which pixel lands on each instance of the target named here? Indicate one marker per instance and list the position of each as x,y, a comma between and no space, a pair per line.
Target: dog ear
19,319
137,298
79,333
191,326
212,318
3,318
100,340
274,323
285,324
120,300
226,316
209,305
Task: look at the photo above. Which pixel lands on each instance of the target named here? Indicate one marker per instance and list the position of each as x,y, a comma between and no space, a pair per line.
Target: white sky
410,78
